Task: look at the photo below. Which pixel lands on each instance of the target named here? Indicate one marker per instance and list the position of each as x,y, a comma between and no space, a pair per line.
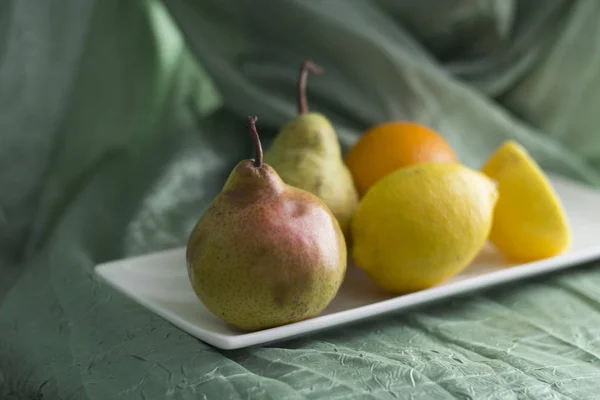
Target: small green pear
306,154
265,253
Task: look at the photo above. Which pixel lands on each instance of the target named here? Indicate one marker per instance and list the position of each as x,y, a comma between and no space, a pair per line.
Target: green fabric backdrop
119,121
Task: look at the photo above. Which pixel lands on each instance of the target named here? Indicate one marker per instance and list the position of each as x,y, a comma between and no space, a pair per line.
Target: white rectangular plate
159,281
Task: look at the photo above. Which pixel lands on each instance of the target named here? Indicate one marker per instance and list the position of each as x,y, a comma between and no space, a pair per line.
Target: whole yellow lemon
422,224
529,220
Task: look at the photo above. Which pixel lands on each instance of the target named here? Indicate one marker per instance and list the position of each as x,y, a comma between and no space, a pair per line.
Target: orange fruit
390,146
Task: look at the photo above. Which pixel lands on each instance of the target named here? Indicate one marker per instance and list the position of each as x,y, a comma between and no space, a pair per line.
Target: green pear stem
258,161
305,67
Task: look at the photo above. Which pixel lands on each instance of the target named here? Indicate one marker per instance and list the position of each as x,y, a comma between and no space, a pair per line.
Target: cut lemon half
529,220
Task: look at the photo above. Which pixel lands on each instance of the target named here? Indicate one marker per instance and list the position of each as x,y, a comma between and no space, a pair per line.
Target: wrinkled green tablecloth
120,119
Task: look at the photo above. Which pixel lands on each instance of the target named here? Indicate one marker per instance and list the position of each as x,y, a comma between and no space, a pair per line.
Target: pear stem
258,161
305,67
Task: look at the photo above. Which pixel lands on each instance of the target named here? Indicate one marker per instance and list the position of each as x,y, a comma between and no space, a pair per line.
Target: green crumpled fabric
119,121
